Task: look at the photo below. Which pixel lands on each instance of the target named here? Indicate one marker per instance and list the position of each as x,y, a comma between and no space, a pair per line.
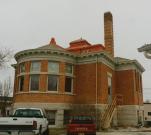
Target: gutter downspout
96,80
96,90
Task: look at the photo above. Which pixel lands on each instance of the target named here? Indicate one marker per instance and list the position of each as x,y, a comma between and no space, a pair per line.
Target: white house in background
147,114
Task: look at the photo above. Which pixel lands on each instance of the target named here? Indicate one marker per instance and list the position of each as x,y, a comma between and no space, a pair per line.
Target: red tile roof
83,46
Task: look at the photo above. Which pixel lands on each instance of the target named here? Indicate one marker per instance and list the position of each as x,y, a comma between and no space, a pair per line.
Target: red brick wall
127,85
138,96
27,76
44,66
84,85
26,82
43,98
62,77
103,71
43,82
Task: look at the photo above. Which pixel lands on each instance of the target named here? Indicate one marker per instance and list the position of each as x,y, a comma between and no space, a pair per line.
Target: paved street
124,133
118,133
121,131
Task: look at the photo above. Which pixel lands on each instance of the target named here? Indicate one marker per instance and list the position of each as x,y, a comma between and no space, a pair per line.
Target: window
149,113
69,69
109,81
51,116
35,66
68,84
34,82
140,83
21,83
66,116
52,83
22,67
28,113
53,67
109,85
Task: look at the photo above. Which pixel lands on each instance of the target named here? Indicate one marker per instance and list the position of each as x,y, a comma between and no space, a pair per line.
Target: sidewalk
127,131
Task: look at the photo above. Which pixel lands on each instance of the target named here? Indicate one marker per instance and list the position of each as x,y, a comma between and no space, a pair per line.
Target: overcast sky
26,24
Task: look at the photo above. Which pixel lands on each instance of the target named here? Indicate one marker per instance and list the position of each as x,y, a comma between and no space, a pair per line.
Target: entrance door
109,89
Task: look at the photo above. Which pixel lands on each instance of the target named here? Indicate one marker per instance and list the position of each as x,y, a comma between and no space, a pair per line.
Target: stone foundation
129,115
126,115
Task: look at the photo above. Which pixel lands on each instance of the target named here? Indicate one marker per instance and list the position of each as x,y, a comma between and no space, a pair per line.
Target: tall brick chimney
108,33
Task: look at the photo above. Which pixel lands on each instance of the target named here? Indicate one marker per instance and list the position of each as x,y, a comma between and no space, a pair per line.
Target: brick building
54,78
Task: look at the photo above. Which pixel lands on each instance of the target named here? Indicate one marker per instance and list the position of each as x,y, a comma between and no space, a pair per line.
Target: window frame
53,91
71,84
31,66
20,67
68,64
55,72
149,113
54,111
20,83
38,83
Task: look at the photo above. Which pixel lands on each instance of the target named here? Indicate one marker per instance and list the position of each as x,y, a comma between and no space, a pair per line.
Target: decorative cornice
144,48
42,52
14,66
121,62
96,57
63,55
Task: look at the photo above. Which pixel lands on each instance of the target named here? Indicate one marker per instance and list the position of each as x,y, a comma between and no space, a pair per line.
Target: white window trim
109,74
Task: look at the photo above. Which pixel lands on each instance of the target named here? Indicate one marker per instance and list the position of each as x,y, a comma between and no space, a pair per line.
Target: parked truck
30,121
81,125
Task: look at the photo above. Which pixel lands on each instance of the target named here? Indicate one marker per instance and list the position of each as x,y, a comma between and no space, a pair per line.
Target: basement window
51,116
149,113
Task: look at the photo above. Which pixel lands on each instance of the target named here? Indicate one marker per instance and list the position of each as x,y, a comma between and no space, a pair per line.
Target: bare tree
5,56
5,94
1,89
8,87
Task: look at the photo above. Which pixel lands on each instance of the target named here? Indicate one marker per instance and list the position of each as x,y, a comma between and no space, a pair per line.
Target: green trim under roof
122,61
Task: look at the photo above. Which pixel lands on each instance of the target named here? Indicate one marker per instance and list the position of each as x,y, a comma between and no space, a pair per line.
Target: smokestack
108,33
